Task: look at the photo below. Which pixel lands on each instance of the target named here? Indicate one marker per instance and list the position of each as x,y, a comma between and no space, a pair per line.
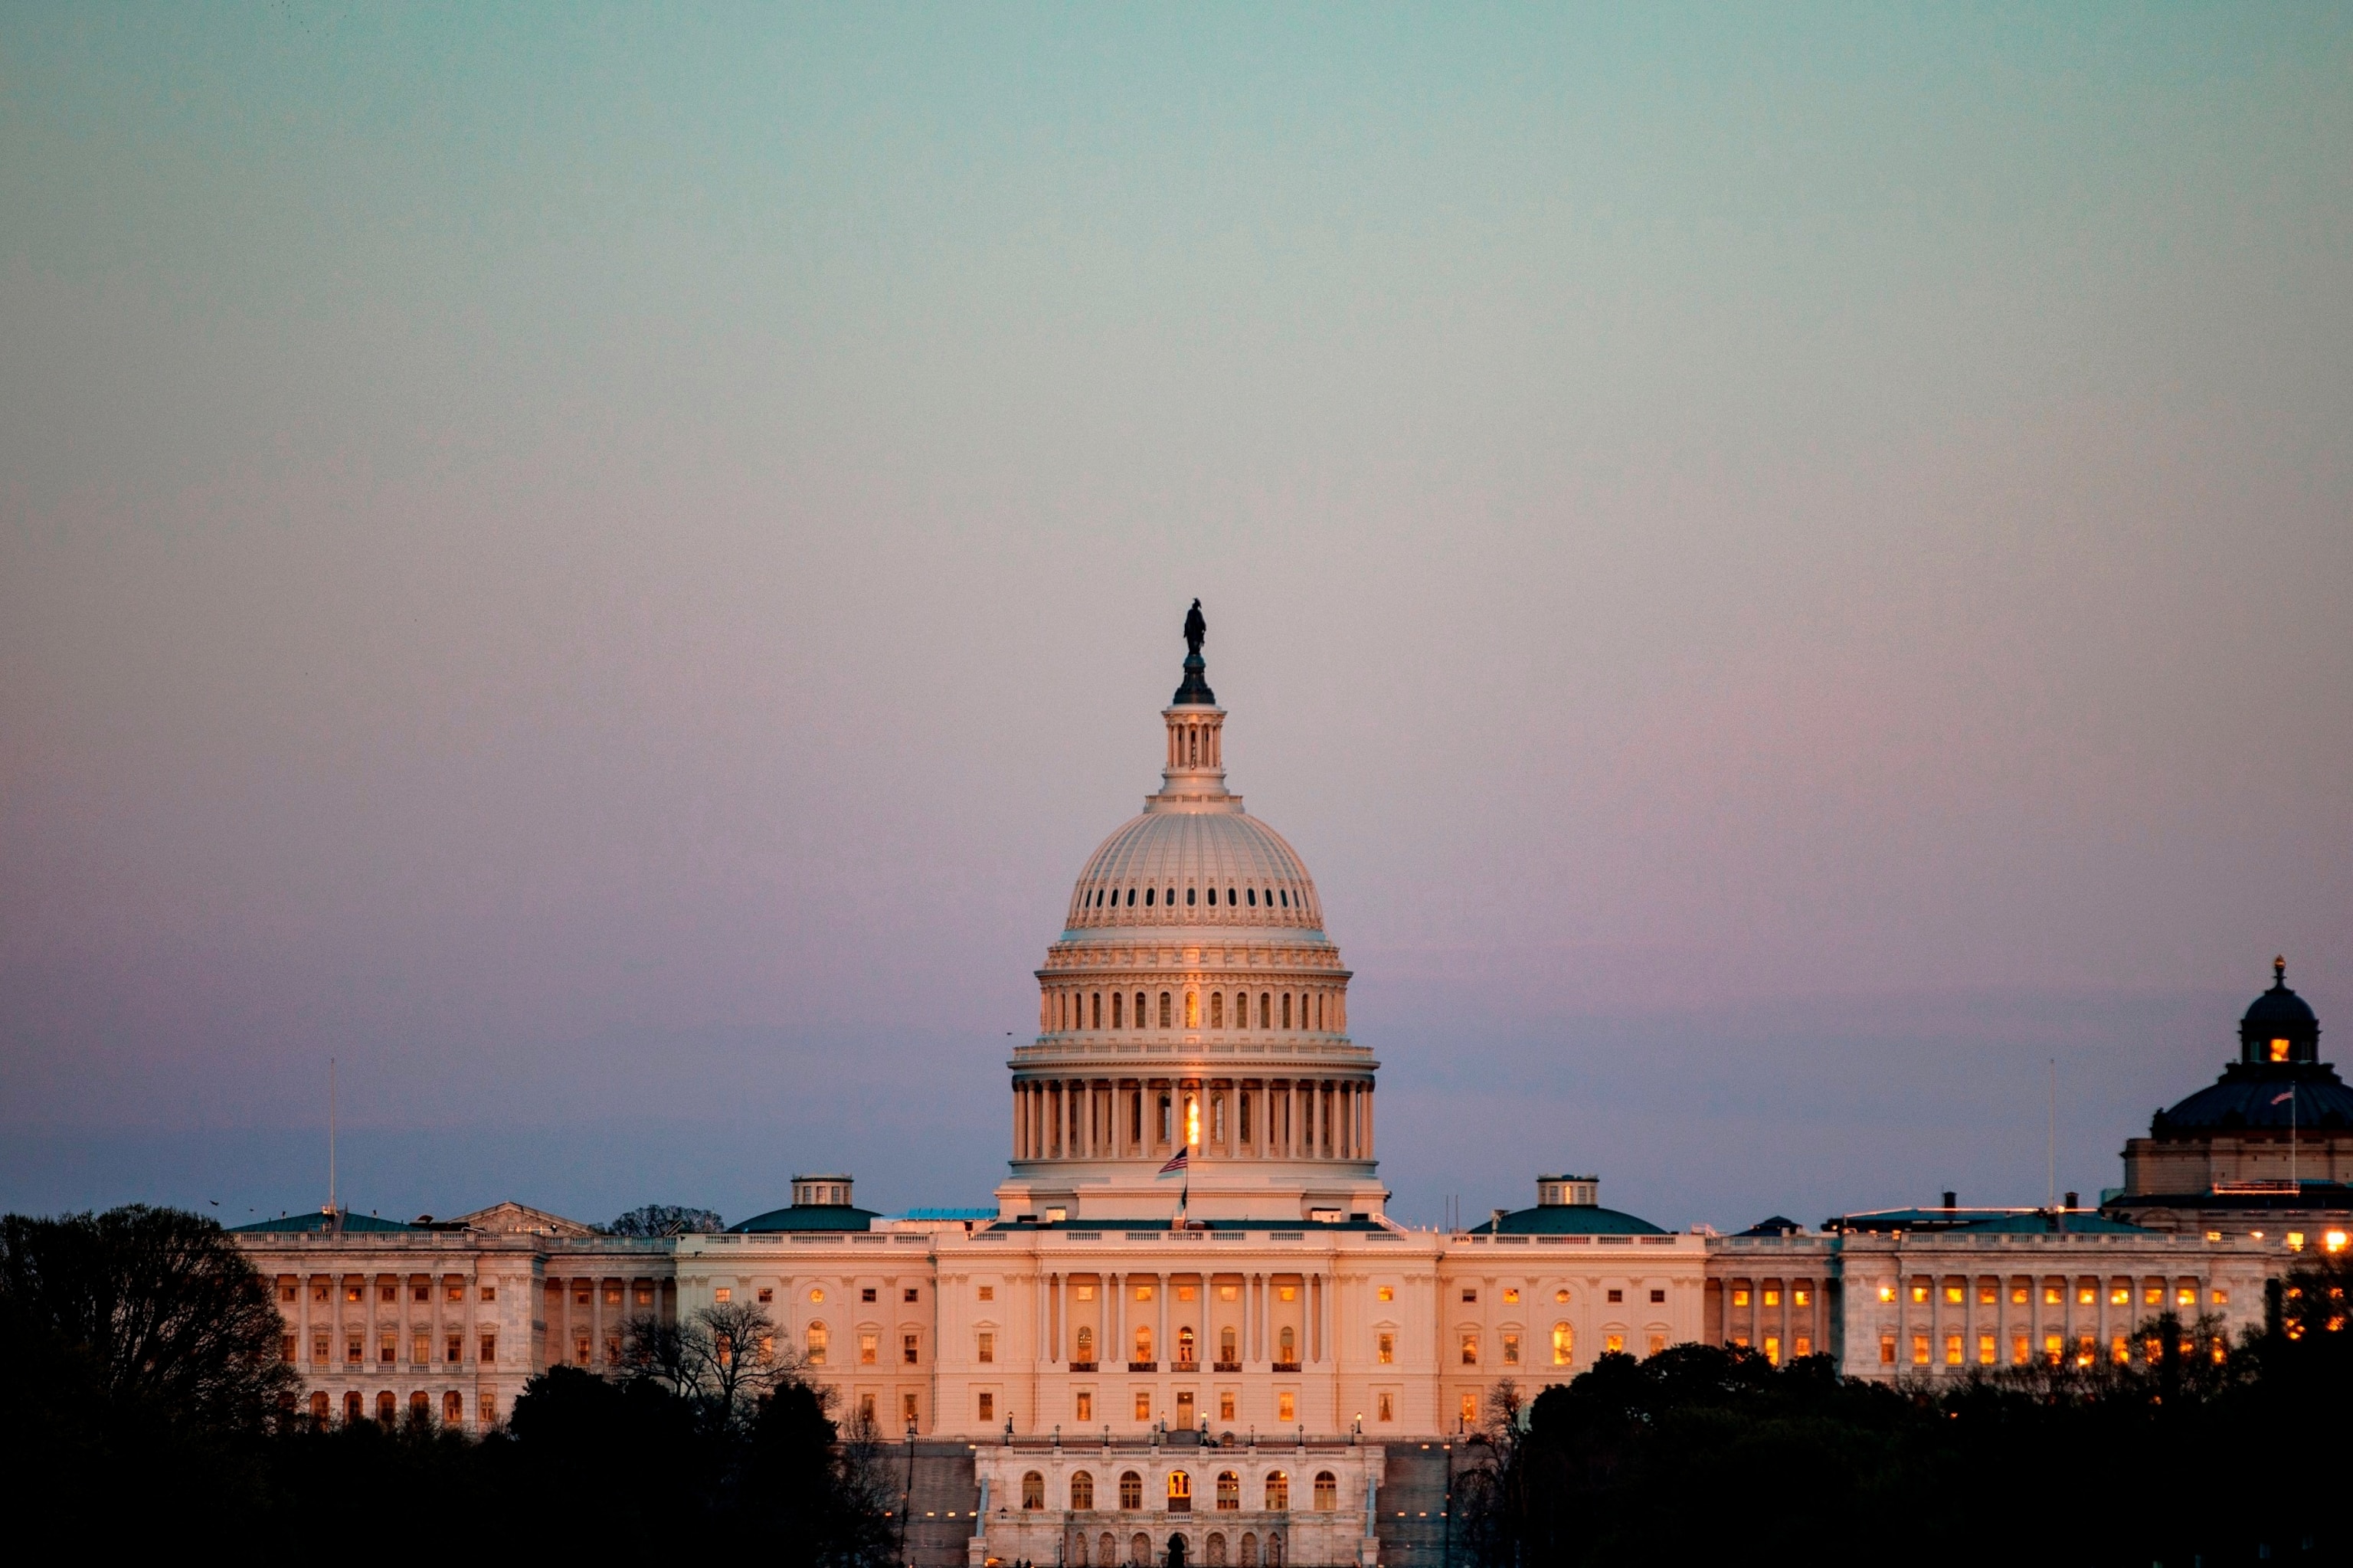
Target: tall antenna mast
331,1135
2051,1143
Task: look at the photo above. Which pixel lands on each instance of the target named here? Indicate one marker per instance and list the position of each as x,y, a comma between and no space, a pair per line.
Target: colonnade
1260,1347
1221,1118
1074,1010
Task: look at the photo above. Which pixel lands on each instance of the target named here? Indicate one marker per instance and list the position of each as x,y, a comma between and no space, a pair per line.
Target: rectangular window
1143,1404
319,1349
1801,1349
1470,1349
1385,1406
1887,1349
1614,1343
613,1295
2019,1350
1470,1409
1919,1349
1386,1352
1739,1298
489,1348
2186,1296
1773,1349
767,1295
386,1350
453,1348
1659,1343
2051,1296
1386,1293
580,1350
1225,1405
985,1406
1470,1293
288,1348
1986,1352
422,1350
1511,1350
1511,1296
907,1350
1083,1404
1658,1296
1772,1297
645,1293
2221,1296
1953,1293
988,1346
1286,1407
1952,1349
908,1295
865,1295
866,1409
907,1409
1987,1293
1184,1408
2018,1295
1920,1292
722,1294
2053,1348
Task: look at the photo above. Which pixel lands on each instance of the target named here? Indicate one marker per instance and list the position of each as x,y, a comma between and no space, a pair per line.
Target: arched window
1147,897
1215,1554
1230,898
1079,1551
1139,1550
1185,1344
1251,894
1098,1010
1033,1490
1166,1015
1287,1010
1131,1489
1115,1009
1250,1548
1139,1010
1131,898
1327,1491
1230,1491
1180,1492
1278,1494
352,1411
1286,898
1188,896
385,1408
420,1404
1227,1345
1266,1009
1082,1498
1144,1341
1086,1345
817,1339
1192,1010
1564,1343
1273,1549
1287,1345
1217,1010
1109,1551
453,1408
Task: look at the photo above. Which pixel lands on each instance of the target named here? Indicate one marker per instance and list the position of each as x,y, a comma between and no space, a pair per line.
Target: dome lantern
2279,1026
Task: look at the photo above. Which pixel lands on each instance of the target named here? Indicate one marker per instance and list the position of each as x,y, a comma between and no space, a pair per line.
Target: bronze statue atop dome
1195,630
1195,691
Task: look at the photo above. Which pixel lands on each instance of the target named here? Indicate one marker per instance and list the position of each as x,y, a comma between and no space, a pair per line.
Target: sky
605,569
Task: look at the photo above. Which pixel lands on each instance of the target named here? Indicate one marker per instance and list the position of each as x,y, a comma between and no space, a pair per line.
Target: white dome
1201,867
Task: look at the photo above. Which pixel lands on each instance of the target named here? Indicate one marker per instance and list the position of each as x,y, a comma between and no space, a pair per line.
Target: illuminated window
2187,1296
1772,1296
818,1294
2295,1241
2051,1296
1387,1407
722,1294
1144,1342
2334,1241
1985,1354
1278,1492
1772,1347
1740,1296
1511,1350
1510,1295
1887,1293
1384,1350
1952,1292
1564,1344
1287,1345
1180,1492
1230,1491
2279,1050
1085,1344
1143,1404
1615,1344
1229,1347
2018,1295
2120,1296
2118,1351
1887,1349
1952,1349
1659,1343
2053,1348
1470,1349
1919,1349
1920,1292
817,1339
2084,1296
1286,1407
2221,1296
1987,1293
1470,1409
2020,1353
1225,1405
1327,1491
1384,1293
870,1345
1799,1297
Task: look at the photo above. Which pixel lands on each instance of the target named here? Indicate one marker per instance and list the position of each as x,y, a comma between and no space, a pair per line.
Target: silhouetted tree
666,1220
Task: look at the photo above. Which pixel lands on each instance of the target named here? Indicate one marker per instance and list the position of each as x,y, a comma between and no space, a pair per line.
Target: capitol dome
1193,1005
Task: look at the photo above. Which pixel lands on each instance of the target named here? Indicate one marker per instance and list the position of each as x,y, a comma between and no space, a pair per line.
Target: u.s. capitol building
1189,1315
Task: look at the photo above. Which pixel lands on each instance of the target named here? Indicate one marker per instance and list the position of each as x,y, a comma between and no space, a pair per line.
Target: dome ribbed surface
1258,878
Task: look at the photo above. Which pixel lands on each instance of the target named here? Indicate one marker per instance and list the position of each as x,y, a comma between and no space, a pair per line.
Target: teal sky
1782,566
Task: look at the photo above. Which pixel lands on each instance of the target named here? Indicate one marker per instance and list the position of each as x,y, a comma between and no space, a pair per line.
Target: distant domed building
2273,1133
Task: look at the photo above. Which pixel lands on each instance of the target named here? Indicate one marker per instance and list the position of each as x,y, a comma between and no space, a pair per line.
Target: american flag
1177,1161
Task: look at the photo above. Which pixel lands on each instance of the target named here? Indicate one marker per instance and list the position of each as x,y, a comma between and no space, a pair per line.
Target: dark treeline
1704,1453
149,1399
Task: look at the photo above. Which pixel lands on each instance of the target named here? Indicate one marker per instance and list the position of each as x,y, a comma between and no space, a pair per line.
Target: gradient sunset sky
1783,567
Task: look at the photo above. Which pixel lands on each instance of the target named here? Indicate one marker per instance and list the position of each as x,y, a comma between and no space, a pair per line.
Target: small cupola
821,1192
2279,1027
1568,1192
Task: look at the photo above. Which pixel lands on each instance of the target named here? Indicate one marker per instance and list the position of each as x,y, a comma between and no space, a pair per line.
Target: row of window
816,1293
290,1290
2054,1350
1228,1491
1141,1552
1082,1345
2087,1292
1082,1406
453,1348
1066,1009
1250,898
388,1407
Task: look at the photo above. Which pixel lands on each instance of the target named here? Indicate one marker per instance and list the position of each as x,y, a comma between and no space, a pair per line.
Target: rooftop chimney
1952,1199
